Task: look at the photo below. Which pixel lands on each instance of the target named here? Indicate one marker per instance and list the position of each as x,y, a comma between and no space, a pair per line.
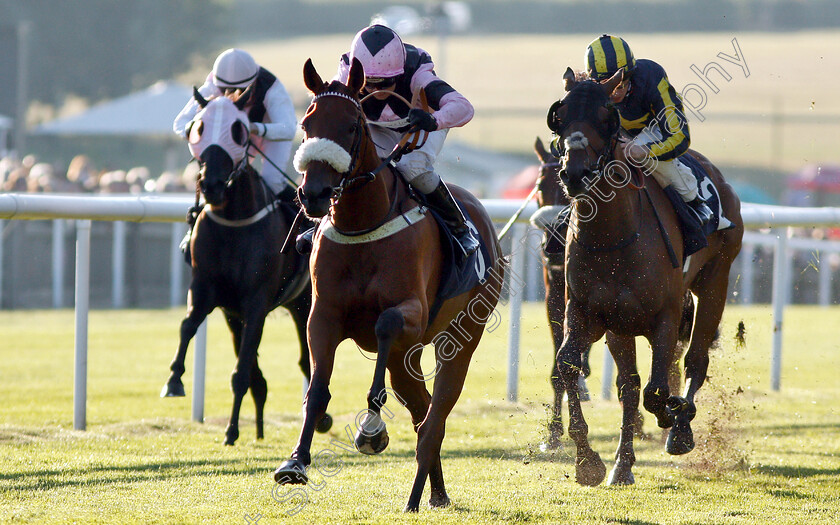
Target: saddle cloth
460,274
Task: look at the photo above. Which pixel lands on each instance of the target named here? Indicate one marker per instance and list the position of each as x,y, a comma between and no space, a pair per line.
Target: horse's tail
687,322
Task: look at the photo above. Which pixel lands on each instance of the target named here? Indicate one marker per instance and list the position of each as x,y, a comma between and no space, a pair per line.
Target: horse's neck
246,196
366,206
609,215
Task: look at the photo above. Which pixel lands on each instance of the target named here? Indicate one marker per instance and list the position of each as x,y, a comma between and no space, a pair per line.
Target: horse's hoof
680,439
681,408
173,389
231,435
409,507
555,433
371,445
291,472
439,501
325,424
372,437
590,469
620,476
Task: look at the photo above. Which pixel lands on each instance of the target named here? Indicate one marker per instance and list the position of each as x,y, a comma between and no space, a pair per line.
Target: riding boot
192,215
701,209
441,201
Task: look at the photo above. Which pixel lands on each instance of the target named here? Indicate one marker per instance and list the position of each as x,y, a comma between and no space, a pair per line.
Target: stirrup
467,242
303,242
701,209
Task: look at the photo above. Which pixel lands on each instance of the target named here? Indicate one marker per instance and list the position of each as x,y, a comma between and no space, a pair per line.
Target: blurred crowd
82,176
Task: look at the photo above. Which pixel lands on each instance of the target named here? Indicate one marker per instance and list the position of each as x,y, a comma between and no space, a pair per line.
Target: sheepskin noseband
324,150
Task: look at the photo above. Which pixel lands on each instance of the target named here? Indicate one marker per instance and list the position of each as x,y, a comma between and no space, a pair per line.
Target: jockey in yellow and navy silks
652,113
392,66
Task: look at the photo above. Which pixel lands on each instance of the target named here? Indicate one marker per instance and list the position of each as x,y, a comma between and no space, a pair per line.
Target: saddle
694,235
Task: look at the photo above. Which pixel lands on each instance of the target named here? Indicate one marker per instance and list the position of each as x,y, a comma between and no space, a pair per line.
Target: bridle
350,177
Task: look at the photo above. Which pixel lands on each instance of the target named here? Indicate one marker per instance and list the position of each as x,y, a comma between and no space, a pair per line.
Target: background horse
620,278
378,289
236,259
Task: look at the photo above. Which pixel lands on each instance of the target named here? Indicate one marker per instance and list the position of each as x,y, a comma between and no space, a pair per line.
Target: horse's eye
239,133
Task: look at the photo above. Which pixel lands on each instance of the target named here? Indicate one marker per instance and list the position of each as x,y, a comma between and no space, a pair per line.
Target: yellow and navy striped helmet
606,55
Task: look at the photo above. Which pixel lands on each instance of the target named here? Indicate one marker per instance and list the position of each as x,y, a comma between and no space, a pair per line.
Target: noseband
348,176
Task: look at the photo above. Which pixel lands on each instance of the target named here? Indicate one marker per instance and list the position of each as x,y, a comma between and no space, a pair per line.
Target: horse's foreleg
372,435
628,384
323,338
299,310
199,305
589,468
555,301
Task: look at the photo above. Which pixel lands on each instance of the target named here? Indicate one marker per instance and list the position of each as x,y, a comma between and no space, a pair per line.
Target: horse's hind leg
628,385
410,389
259,391
449,382
248,333
710,286
200,304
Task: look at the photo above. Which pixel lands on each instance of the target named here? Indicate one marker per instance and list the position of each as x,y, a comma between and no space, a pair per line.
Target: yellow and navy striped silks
653,101
606,55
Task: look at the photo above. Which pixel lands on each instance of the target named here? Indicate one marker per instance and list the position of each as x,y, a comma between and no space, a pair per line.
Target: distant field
761,457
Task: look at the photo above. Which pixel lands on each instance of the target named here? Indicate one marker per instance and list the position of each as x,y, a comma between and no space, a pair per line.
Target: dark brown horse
236,259
621,279
378,288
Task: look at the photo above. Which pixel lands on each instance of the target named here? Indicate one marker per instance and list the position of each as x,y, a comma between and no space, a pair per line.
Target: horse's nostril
326,193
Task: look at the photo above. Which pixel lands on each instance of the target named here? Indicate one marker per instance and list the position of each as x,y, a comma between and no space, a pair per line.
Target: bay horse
378,288
551,199
621,279
236,259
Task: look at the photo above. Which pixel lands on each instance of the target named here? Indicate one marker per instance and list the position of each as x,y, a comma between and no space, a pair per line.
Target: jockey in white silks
270,109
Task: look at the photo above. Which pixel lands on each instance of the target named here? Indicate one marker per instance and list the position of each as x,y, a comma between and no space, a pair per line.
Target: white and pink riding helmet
380,51
234,68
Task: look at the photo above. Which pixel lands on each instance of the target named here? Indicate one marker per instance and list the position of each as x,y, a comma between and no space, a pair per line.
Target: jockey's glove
422,119
257,128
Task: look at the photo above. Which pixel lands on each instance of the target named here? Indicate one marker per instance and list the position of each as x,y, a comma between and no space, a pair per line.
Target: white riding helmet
234,68
380,51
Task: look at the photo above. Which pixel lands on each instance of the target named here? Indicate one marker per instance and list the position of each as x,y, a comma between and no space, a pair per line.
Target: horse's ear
243,98
356,78
569,79
202,102
542,153
610,85
311,78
